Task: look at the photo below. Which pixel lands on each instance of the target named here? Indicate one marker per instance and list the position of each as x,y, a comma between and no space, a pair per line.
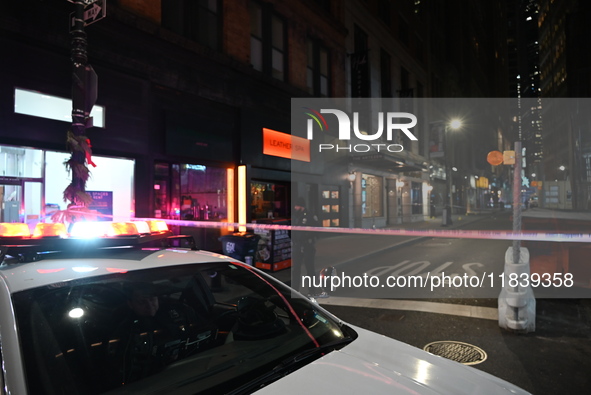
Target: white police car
122,315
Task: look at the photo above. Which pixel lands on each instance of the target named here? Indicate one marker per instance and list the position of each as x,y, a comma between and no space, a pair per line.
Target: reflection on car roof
48,271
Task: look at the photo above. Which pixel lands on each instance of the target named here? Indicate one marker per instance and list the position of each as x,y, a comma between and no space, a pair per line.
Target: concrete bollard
517,305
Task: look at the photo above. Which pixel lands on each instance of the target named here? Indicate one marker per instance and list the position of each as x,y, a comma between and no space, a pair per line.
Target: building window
404,82
384,11
330,205
190,192
371,196
269,200
360,84
386,73
552,195
203,192
420,49
42,105
406,94
199,20
403,31
268,48
317,72
324,4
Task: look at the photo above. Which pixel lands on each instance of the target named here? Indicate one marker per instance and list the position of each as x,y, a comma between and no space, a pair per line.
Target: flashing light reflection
84,269
76,313
47,271
423,372
115,270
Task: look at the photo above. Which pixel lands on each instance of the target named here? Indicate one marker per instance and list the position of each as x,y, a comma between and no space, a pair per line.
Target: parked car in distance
533,201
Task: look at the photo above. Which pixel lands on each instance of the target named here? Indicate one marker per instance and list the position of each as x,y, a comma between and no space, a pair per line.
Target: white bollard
517,305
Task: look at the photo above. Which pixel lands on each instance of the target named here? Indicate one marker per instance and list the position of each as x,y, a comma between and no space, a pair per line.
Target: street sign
509,157
84,88
92,12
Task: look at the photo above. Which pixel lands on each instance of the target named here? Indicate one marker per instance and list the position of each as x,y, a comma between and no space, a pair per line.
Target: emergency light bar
16,239
83,229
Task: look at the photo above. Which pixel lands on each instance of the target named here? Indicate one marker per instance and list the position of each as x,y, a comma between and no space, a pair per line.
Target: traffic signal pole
516,303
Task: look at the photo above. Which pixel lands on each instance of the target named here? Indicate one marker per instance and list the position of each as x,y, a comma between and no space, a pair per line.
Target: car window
189,328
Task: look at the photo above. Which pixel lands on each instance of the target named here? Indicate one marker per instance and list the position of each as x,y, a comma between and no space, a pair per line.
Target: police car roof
20,277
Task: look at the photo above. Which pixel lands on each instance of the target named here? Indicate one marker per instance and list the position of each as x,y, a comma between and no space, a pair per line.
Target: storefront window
20,162
162,188
372,188
330,205
203,192
269,200
110,184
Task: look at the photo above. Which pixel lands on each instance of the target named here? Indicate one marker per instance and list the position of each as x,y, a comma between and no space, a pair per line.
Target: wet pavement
553,359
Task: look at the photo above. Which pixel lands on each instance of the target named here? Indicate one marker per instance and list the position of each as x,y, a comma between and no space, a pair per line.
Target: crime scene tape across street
575,237
461,234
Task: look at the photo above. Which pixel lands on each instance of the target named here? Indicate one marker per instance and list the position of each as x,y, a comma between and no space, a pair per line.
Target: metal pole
517,214
79,60
517,201
77,142
446,216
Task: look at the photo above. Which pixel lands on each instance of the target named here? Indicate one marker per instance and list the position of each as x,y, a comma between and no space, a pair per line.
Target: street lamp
351,177
454,124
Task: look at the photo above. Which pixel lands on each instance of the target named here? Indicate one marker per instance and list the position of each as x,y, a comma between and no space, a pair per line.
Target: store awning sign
285,145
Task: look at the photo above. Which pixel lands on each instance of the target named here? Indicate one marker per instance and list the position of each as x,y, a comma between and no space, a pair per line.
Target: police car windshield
190,328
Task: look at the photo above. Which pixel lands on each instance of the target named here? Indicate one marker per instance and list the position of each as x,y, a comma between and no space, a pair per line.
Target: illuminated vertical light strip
242,197
230,197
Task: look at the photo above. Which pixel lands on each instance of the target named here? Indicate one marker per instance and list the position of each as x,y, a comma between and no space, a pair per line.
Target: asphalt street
553,359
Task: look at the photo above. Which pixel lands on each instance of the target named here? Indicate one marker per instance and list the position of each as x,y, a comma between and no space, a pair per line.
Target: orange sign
285,145
495,158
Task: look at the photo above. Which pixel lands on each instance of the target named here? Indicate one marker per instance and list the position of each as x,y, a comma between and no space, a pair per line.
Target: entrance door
392,203
10,198
21,200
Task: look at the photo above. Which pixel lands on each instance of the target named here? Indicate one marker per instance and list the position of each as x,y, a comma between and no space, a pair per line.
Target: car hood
375,364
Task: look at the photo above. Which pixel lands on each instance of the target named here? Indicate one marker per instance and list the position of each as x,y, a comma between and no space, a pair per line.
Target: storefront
33,182
195,192
269,199
381,198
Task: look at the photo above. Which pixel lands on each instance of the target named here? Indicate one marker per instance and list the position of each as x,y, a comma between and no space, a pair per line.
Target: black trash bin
240,245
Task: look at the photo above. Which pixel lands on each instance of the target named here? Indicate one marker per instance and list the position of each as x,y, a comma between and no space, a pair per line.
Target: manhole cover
457,351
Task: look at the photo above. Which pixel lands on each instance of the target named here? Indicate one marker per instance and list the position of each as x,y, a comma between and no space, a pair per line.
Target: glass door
32,209
10,198
21,201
